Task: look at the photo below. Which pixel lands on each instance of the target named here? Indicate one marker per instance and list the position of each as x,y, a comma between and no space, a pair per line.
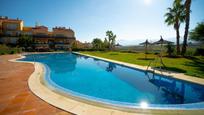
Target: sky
133,21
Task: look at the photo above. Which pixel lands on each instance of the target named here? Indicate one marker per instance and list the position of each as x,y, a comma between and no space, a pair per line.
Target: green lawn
190,66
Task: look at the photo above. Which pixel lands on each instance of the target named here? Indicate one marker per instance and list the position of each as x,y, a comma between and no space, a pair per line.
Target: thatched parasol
162,41
146,43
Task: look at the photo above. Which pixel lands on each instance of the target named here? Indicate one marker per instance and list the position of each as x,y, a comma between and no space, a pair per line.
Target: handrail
154,63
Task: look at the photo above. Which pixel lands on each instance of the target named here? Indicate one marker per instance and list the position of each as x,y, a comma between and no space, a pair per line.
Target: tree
175,16
197,34
187,5
25,41
170,49
74,45
97,43
111,39
105,43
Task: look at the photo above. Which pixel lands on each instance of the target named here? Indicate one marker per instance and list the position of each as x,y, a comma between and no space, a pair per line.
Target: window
11,26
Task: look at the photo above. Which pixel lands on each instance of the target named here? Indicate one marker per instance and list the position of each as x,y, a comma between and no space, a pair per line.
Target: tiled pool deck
15,96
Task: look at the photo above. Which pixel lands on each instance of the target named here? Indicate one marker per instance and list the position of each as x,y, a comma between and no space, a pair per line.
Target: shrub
189,53
199,51
170,49
83,49
12,52
4,49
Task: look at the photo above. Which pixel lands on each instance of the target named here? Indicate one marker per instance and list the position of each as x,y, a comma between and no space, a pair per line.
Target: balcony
62,46
41,46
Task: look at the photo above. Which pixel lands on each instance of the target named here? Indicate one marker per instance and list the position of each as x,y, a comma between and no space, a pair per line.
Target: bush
4,49
170,49
199,51
82,49
88,49
190,53
12,52
128,51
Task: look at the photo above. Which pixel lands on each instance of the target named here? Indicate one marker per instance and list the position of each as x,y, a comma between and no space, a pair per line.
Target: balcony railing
18,34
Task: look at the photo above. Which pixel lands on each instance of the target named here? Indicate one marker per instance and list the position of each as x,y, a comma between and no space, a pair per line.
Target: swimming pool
110,83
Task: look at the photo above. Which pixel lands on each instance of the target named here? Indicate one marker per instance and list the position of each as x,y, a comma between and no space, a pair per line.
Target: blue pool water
98,79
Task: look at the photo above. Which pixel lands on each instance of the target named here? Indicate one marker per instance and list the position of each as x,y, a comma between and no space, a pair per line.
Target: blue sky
133,21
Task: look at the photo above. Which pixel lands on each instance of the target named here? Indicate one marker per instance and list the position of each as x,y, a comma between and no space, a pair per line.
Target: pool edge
172,74
74,106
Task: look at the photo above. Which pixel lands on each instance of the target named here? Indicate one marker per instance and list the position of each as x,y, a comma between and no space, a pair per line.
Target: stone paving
15,96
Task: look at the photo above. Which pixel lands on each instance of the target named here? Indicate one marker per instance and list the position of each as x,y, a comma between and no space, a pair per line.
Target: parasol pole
161,52
146,49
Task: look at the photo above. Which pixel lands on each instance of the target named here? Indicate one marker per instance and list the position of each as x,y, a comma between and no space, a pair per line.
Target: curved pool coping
77,105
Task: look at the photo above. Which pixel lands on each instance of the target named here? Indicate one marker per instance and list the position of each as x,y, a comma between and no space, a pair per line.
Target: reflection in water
110,67
95,59
80,56
114,82
61,64
85,57
163,89
172,92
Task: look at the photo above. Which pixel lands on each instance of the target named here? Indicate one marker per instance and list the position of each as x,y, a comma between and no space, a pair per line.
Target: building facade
10,29
59,38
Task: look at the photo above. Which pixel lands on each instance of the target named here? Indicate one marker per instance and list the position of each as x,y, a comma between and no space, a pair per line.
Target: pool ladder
154,63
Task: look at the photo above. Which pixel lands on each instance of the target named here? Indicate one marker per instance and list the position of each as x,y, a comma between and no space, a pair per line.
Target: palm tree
111,39
187,5
175,16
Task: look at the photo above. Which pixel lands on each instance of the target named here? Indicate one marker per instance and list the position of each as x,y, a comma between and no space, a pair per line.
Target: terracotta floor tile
12,108
27,107
63,113
6,113
26,93
32,98
19,100
3,106
6,98
29,112
45,111
15,96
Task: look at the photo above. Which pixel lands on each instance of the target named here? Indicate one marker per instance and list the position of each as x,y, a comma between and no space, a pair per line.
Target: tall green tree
170,49
175,16
187,5
197,34
111,39
25,41
105,43
74,45
97,43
